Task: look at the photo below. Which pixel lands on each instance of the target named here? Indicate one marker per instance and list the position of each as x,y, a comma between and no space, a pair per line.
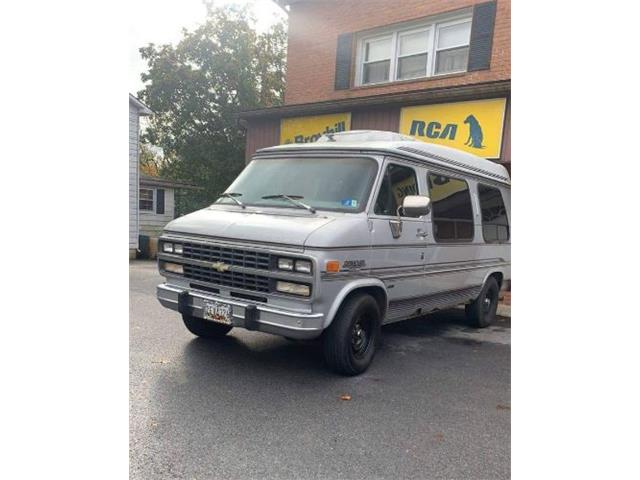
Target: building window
377,60
146,199
415,51
495,224
451,207
452,47
398,182
413,54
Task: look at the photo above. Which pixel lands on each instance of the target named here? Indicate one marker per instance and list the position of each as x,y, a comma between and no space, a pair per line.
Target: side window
146,199
398,182
451,207
495,225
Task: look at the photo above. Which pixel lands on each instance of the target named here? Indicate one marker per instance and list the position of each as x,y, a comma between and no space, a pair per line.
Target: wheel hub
359,338
486,304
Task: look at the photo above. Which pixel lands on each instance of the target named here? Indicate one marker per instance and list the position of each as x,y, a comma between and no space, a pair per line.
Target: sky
162,21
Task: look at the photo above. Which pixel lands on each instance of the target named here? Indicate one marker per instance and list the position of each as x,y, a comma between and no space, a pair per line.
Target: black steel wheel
361,335
349,343
482,311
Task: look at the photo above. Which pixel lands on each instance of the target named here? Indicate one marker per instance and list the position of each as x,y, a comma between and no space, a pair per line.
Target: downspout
138,185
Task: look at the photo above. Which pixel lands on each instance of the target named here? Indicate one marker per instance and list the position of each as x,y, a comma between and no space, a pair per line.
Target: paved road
435,403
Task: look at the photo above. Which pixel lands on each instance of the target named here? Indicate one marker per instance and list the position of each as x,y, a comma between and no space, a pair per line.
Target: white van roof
401,145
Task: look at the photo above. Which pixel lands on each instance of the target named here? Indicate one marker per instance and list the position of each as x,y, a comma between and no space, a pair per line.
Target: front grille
230,256
256,283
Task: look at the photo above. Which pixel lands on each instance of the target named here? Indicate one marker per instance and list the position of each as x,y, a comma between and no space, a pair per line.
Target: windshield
341,184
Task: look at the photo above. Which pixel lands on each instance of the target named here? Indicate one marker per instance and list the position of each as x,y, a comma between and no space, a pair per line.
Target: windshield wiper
233,196
293,199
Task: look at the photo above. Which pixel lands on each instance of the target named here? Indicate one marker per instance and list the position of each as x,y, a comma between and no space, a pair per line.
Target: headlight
285,263
168,247
173,268
293,288
303,266
290,264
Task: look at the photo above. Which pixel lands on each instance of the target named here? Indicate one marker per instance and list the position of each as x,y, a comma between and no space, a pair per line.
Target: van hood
268,225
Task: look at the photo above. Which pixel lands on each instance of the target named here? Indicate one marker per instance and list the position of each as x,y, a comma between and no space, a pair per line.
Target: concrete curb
504,310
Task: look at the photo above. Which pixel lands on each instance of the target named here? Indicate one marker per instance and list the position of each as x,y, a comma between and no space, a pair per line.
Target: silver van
334,239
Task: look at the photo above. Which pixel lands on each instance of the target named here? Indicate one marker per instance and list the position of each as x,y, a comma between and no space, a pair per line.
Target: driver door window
398,182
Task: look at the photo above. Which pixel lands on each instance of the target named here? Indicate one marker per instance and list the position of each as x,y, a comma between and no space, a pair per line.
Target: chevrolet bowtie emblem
220,267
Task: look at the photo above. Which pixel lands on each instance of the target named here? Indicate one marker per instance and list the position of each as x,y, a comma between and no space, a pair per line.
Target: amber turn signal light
332,266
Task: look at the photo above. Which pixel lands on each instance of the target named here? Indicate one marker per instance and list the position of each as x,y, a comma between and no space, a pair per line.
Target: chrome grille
230,256
256,283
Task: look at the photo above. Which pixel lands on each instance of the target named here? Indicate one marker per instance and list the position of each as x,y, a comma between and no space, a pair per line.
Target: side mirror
416,205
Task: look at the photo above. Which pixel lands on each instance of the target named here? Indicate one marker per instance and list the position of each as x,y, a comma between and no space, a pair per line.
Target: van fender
501,270
350,287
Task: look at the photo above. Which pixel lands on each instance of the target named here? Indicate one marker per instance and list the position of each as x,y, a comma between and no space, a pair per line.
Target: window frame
431,209
436,50
153,200
508,240
374,199
432,25
363,63
397,56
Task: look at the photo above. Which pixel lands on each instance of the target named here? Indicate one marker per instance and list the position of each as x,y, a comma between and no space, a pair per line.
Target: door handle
422,234
396,228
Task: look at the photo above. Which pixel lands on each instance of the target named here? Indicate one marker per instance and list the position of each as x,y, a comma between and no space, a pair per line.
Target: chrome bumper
279,321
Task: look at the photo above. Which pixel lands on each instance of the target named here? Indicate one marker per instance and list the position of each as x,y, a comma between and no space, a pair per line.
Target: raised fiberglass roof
403,145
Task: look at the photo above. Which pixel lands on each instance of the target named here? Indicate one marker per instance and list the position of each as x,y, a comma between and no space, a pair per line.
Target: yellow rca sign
310,129
475,126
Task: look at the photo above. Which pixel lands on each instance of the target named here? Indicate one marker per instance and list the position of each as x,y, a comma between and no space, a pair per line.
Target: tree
149,161
196,89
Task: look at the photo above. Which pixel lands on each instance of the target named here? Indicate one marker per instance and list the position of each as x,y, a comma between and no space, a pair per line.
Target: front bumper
264,318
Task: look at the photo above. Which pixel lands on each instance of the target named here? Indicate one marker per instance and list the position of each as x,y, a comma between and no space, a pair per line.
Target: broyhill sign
310,129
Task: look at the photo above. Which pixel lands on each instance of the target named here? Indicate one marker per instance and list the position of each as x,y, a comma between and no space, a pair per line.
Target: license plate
217,312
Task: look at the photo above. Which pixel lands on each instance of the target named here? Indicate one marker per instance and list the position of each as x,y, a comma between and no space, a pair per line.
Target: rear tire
205,328
349,343
482,311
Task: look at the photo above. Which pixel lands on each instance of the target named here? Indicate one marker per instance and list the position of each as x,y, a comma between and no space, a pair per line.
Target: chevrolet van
335,238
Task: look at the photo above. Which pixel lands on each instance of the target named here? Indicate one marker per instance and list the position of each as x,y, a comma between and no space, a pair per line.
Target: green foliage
197,87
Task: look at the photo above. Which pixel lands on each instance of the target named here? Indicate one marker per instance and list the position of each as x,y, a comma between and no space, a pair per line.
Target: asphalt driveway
434,404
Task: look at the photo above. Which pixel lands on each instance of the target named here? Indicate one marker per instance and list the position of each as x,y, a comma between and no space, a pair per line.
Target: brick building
436,69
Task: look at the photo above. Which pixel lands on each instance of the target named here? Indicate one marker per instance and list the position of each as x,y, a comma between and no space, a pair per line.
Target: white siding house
157,204
156,209
136,110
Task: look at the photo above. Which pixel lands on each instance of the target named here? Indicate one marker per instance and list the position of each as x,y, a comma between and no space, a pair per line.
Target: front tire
205,328
349,343
482,311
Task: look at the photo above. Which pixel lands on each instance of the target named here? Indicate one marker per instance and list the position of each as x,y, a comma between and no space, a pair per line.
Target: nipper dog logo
474,126
475,132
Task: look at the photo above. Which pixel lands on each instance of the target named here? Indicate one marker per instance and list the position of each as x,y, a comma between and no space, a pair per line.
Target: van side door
397,258
456,251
